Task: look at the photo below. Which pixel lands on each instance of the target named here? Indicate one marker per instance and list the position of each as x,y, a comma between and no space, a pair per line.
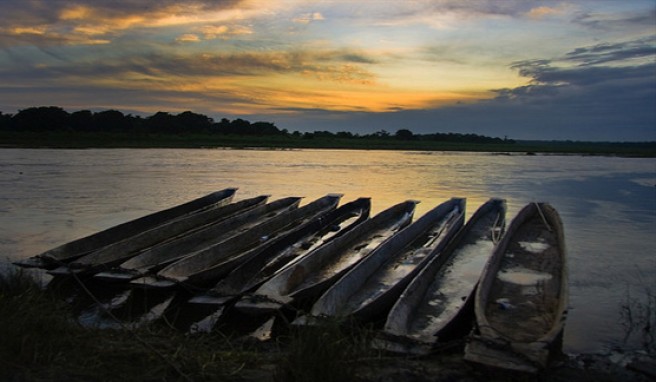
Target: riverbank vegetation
53,127
43,340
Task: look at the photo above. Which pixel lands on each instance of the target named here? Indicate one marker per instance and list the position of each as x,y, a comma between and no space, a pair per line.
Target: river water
607,204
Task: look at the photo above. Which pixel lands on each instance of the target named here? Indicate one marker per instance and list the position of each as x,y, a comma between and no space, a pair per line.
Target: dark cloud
627,20
605,53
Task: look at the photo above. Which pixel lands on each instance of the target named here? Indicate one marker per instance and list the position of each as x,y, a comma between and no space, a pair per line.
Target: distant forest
56,119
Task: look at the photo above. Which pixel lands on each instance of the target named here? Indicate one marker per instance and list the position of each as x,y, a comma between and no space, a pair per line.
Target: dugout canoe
254,272
124,250
202,267
434,305
77,248
173,250
311,275
370,288
521,302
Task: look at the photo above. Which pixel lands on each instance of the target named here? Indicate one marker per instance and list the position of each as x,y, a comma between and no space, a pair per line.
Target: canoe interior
429,308
525,296
260,268
161,255
240,247
521,304
318,270
373,285
313,273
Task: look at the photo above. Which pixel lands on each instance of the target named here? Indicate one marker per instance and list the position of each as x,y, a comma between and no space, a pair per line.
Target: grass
328,352
638,316
42,341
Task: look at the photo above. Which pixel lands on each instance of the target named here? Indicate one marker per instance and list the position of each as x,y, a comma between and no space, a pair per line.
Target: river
607,204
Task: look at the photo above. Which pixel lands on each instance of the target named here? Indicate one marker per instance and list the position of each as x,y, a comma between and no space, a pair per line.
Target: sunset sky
580,70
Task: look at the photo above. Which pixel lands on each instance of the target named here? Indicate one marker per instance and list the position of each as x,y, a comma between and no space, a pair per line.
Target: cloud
607,53
188,37
80,22
634,20
593,93
252,81
308,18
544,11
211,32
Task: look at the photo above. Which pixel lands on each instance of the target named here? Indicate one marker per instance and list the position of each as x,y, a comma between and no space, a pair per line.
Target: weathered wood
370,289
315,272
261,267
154,258
72,250
521,303
207,265
434,303
124,250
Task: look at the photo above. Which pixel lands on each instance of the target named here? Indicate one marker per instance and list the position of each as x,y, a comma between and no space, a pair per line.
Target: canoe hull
77,248
118,252
204,267
254,272
154,258
444,289
521,302
373,285
306,279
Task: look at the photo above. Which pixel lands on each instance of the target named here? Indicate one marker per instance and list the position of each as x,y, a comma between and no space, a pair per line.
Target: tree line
56,119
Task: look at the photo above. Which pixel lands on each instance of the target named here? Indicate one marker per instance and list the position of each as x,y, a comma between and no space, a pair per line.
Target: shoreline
43,338
71,140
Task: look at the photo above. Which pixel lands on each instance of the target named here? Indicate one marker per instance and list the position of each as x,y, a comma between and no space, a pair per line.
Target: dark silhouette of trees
53,118
195,122
82,121
5,121
457,137
43,118
404,135
110,121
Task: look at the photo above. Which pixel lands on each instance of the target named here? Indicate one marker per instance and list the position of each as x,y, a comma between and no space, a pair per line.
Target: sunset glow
465,66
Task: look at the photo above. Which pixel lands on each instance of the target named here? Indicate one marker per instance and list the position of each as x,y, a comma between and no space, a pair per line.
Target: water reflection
608,205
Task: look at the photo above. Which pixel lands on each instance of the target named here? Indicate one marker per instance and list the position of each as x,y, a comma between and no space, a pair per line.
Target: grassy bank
121,140
41,340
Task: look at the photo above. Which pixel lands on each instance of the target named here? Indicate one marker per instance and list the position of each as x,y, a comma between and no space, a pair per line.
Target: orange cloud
543,11
211,32
189,37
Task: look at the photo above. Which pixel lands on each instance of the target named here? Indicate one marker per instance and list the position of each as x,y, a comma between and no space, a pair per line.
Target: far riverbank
77,140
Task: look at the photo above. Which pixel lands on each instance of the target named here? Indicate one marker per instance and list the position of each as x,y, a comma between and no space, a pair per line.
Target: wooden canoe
314,273
124,250
173,250
254,272
77,248
434,304
207,265
521,302
370,289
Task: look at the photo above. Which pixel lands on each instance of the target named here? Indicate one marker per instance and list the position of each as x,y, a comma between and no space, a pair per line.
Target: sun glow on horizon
306,58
